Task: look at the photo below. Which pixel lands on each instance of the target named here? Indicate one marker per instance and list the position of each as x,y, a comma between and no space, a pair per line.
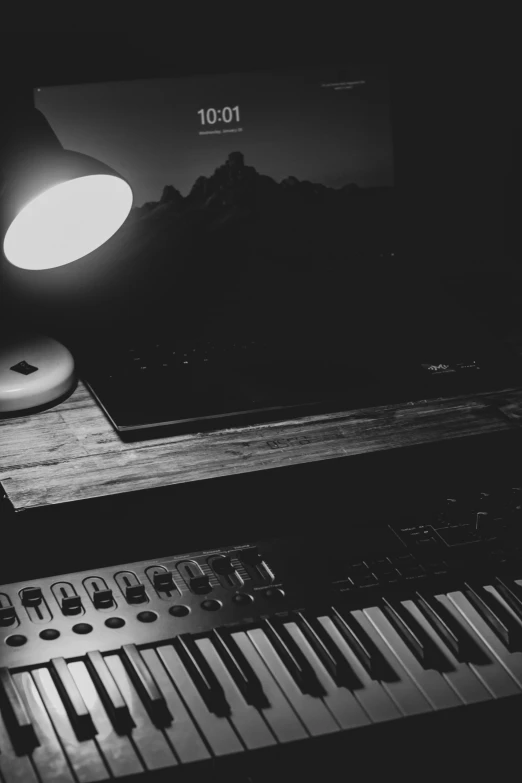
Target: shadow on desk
323,496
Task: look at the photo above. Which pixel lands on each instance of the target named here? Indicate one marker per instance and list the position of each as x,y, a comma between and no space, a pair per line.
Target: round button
49,634
242,598
210,605
114,622
147,617
179,610
16,640
274,594
82,628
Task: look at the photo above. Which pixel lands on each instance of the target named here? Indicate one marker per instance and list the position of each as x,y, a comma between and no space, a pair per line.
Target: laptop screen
257,196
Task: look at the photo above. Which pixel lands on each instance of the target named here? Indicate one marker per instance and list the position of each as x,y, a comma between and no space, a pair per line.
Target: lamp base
35,371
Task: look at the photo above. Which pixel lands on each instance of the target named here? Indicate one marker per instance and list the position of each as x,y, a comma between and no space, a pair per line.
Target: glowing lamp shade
67,221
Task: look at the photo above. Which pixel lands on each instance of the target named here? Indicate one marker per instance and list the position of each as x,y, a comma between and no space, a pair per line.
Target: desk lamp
57,206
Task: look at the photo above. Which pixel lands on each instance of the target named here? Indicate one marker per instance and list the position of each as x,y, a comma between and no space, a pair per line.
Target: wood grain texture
71,452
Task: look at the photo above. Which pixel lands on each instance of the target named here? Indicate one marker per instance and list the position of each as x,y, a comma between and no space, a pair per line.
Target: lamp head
57,205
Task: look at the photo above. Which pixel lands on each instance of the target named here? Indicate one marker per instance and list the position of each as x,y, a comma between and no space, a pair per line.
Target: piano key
83,755
75,706
376,702
366,651
144,682
342,704
239,668
48,756
149,740
182,733
216,730
456,638
110,695
412,634
246,719
404,691
117,750
296,663
430,682
509,593
279,714
510,663
14,768
461,678
19,720
494,614
489,670
310,709
202,675
502,599
325,649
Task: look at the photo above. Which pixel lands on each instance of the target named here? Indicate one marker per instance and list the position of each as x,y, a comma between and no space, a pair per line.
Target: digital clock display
211,116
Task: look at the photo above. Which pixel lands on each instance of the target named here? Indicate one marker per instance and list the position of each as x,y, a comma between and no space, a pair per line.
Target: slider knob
222,565
32,596
251,556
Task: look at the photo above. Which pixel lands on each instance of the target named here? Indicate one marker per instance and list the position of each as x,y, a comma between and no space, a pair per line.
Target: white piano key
279,715
48,756
217,731
182,733
13,768
494,592
312,711
432,685
405,693
83,755
149,740
512,662
376,702
117,750
340,701
247,721
462,679
491,673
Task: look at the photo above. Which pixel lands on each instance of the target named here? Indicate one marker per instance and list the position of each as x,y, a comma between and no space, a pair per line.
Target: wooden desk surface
71,453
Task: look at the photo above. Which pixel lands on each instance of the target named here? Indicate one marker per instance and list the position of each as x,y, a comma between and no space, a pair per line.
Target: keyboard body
383,648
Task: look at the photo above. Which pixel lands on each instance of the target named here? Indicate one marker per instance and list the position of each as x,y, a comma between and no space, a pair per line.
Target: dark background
457,109
458,120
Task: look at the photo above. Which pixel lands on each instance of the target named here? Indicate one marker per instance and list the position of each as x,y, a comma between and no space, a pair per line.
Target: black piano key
312,711
83,755
292,657
14,768
182,733
343,704
508,591
495,615
202,675
247,721
456,638
216,730
18,720
149,740
48,757
239,668
117,750
144,682
365,650
414,636
327,652
279,715
77,711
109,692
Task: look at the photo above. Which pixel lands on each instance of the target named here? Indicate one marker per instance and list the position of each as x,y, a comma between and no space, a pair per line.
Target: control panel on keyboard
215,654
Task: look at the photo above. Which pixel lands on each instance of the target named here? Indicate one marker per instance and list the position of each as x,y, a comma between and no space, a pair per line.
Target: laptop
259,276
